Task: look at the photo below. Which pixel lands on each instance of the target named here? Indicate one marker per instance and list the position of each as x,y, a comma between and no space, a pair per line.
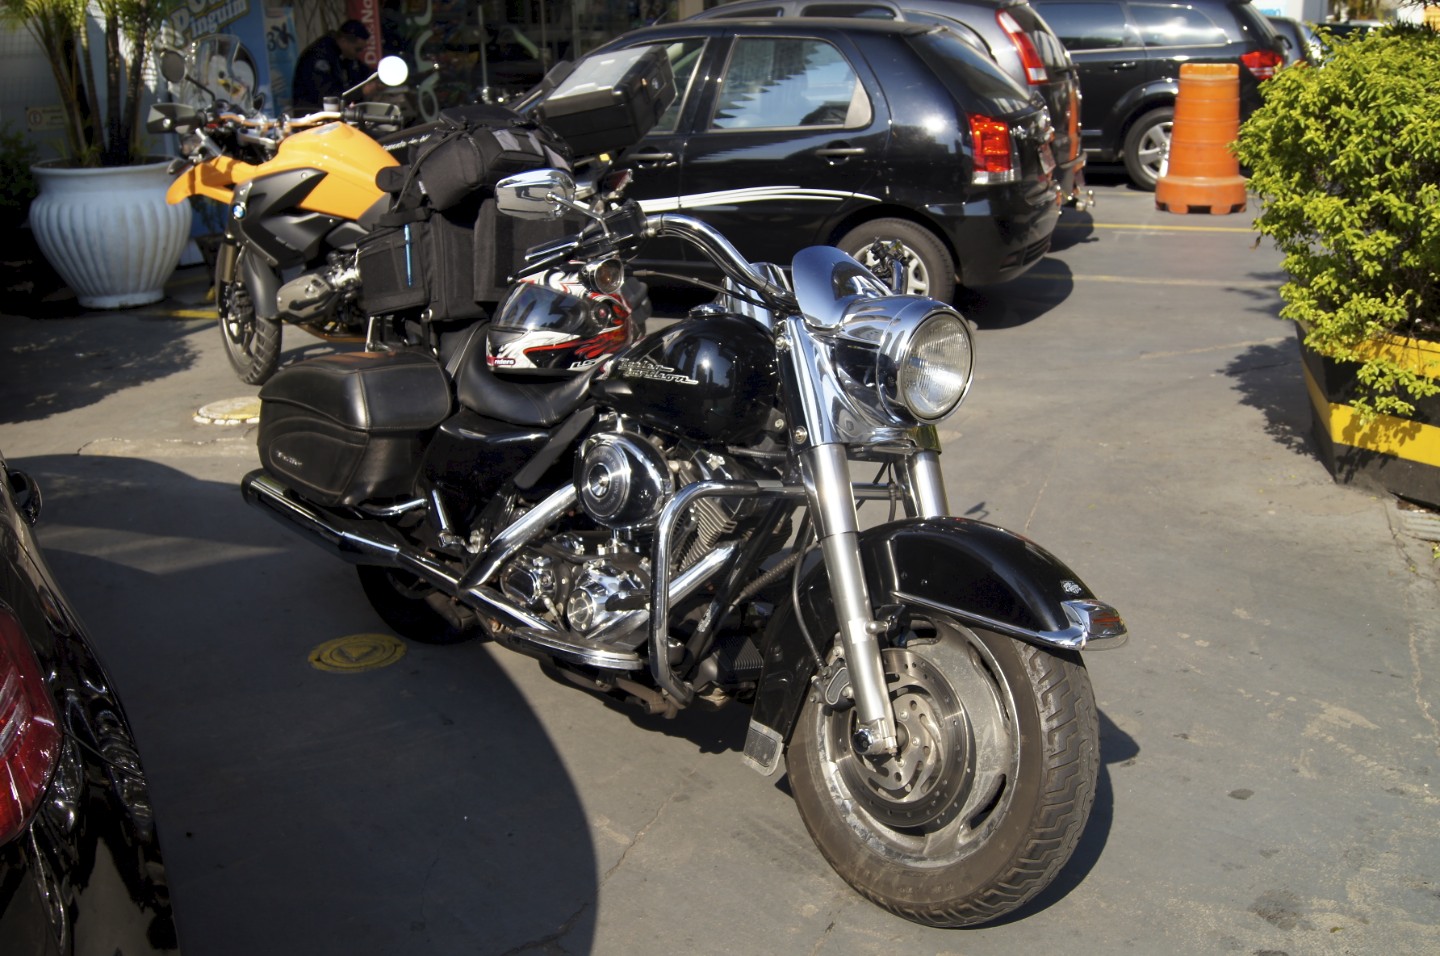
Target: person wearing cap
330,66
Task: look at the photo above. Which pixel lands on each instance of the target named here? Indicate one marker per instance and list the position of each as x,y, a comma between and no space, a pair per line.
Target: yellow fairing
348,157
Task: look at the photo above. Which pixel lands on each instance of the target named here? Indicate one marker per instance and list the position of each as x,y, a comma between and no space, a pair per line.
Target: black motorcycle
678,522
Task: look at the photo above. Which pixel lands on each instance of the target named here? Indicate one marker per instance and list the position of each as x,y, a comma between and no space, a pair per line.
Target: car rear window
968,73
1090,26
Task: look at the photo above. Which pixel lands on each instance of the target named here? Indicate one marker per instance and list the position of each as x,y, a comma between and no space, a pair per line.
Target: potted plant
100,217
1344,159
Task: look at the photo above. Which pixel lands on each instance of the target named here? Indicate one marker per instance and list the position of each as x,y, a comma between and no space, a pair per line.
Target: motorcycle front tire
252,343
995,776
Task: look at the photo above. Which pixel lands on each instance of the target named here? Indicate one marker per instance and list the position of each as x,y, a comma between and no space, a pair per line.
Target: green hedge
1344,159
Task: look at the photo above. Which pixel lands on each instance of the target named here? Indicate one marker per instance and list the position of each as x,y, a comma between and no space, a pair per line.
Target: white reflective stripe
733,197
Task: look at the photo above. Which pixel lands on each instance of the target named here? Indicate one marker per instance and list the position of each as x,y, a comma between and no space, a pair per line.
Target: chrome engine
575,580
586,582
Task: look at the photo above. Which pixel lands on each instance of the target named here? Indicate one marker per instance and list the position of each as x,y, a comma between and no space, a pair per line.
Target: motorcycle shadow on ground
416,807
95,355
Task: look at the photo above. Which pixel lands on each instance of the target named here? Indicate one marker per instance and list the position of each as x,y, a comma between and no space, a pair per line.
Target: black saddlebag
342,429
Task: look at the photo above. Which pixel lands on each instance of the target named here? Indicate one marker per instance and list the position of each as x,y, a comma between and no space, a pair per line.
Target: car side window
784,83
684,57
1090,26
1166,25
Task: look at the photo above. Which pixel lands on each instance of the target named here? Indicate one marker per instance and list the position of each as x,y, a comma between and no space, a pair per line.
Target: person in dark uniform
330,66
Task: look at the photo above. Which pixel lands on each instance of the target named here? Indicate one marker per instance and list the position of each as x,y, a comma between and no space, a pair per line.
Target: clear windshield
217,69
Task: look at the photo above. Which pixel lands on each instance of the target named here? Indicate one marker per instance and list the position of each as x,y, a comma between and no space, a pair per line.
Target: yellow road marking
1141,280
1153,227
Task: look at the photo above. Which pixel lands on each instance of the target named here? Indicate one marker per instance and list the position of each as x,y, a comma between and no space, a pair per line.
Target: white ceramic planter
109,231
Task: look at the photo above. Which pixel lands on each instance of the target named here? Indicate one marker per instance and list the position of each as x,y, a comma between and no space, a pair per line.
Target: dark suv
1129,55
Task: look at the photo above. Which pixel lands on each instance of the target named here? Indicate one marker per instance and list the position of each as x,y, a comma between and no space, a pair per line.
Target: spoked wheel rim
237,318
959,756
917,278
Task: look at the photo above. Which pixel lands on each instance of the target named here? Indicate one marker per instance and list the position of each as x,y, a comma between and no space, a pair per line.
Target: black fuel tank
710,379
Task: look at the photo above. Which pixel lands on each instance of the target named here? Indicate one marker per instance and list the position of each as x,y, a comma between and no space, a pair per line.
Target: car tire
1147,147
932,269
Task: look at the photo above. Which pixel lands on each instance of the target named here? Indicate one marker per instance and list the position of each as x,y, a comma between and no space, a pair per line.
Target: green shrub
17,185
1345,161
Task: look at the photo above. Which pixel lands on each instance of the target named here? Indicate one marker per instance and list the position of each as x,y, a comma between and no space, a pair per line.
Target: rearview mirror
172,65
536,194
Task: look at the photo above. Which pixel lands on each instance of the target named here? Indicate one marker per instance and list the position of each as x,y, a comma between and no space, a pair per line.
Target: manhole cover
357,652
230,411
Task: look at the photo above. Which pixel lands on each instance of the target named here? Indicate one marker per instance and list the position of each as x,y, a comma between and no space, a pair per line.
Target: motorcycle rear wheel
399,598
999,752
251,343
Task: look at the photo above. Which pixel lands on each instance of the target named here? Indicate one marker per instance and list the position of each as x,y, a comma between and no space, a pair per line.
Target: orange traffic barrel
1202,175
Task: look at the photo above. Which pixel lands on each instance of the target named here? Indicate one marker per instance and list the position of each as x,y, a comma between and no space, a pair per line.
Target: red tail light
1262,63
29,733
994,157
1035,73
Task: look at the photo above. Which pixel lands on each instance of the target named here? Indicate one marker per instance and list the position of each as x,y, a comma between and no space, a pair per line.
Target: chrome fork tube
827,477
927,486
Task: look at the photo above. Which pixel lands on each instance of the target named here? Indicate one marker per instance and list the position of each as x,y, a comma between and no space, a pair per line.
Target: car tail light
1035,73
994,152
29,732
1262,63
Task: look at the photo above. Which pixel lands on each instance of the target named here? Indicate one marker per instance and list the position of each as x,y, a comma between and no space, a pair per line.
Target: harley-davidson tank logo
654,371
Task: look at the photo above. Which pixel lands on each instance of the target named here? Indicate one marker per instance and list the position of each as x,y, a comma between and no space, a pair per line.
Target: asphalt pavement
1270,735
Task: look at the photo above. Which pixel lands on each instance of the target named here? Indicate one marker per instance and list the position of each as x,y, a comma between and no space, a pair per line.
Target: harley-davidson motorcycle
678,522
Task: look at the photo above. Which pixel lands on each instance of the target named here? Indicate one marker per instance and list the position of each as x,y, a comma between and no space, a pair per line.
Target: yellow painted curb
357,652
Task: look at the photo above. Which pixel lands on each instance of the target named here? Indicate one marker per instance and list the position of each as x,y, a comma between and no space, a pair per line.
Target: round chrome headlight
933,366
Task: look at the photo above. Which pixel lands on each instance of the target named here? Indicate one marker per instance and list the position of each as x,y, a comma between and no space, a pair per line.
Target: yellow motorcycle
299,193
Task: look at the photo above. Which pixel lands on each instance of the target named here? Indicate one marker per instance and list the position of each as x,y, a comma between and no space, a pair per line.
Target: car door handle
651,158
1124,65
840,151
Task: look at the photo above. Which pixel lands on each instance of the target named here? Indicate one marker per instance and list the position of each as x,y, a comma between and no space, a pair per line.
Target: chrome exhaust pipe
374,544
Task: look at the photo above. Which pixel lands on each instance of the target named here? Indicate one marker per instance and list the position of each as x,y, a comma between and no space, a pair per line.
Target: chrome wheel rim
942,795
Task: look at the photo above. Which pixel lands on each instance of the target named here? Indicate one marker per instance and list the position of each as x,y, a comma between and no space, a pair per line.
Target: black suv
1129,55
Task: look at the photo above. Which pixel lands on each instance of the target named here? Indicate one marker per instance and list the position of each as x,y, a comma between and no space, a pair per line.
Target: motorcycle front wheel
251,343
990,789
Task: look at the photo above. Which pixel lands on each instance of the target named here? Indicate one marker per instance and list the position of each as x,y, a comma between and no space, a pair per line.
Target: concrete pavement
1271,734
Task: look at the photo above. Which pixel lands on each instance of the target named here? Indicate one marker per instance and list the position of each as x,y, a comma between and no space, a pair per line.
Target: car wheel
930,269
1147,147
